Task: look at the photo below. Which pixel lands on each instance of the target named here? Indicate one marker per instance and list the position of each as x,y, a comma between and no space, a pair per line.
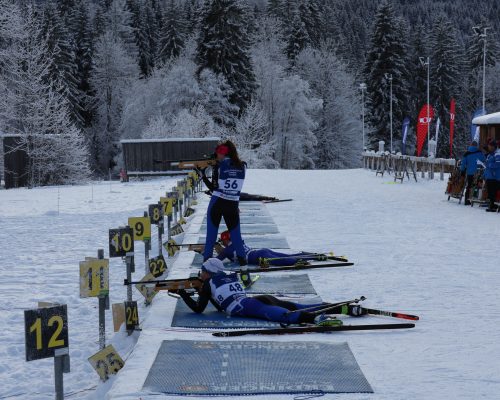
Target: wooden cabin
143,157
489,127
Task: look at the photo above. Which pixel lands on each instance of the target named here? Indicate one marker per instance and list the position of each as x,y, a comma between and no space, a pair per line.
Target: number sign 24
46,329
131,315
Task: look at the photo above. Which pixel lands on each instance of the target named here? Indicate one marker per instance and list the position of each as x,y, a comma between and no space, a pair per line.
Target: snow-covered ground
414,252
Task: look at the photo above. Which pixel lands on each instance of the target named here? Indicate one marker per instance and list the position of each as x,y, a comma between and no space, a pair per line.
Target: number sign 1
94,277
46,329
121,241
141,227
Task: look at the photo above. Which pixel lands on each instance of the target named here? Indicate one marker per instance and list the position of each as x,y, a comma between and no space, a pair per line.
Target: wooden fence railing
402,165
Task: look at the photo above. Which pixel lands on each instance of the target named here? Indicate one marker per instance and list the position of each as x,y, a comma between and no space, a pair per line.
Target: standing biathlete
227,294
228,179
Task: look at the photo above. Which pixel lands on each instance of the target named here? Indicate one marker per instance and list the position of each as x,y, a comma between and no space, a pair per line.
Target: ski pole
372,311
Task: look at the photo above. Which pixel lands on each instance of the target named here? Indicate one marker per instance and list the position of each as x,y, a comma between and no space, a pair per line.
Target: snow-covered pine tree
139,24
60,41
275,8
223,48
475,52
215,99
171,37
83,51
298,39
119,23
310,14
339,126
290,107
418,72
387,55
114,72
447,64
34,107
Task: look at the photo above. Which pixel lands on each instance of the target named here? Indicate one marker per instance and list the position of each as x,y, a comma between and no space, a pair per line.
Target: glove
462,173
200,171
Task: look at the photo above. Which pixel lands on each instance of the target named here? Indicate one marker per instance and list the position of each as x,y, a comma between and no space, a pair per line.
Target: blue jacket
470,158
492,171
229,252
230,180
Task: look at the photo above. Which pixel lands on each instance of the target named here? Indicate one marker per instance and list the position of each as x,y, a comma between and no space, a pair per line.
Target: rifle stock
192,164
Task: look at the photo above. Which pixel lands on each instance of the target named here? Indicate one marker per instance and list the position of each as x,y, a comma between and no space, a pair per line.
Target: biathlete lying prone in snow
263,256
227,294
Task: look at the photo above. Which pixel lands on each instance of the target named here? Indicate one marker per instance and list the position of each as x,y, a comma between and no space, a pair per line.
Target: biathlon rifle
172,285
194,164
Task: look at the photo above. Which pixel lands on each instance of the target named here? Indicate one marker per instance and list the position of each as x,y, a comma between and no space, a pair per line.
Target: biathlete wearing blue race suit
224,203
254,255
227,294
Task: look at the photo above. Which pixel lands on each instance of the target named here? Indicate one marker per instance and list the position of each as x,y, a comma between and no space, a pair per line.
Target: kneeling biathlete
226,293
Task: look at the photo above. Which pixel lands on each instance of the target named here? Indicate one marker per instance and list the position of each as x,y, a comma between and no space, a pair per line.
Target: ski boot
244,274
354,310
327,320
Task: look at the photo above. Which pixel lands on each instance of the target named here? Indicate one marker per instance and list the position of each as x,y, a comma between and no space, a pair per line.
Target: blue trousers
285,259
273,309
217,209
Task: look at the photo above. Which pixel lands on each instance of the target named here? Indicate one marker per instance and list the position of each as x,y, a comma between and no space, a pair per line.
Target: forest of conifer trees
280,77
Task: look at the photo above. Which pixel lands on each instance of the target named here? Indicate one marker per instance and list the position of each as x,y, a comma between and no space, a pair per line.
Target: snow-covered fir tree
34,107
223,48
171,40
387,58
447,64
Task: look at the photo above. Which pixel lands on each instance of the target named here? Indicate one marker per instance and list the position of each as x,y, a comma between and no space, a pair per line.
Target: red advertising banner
422,126
452,124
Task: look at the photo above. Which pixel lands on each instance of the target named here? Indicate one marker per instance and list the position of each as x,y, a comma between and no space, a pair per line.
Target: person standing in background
468,167
492,174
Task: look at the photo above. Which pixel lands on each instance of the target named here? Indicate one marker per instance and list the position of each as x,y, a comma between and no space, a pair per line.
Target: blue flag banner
474,131
406,126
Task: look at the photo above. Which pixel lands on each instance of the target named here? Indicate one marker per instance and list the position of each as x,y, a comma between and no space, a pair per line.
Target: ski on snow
311,329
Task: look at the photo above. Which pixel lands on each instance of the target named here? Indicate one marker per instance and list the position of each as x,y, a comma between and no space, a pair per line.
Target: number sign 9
46,329
141,226
121,241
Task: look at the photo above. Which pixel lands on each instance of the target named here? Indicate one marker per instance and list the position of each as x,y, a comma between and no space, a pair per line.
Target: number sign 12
46,329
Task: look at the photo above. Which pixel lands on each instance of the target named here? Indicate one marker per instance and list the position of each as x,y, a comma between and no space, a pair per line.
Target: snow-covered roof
488,119
186,139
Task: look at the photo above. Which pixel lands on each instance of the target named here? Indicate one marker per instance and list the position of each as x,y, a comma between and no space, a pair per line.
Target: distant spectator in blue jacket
492,174
469,166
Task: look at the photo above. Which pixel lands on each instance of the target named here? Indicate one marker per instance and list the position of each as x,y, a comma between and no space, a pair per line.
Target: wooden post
147,247
103,305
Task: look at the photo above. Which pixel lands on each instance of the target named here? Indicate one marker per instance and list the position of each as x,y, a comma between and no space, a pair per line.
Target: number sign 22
157,266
